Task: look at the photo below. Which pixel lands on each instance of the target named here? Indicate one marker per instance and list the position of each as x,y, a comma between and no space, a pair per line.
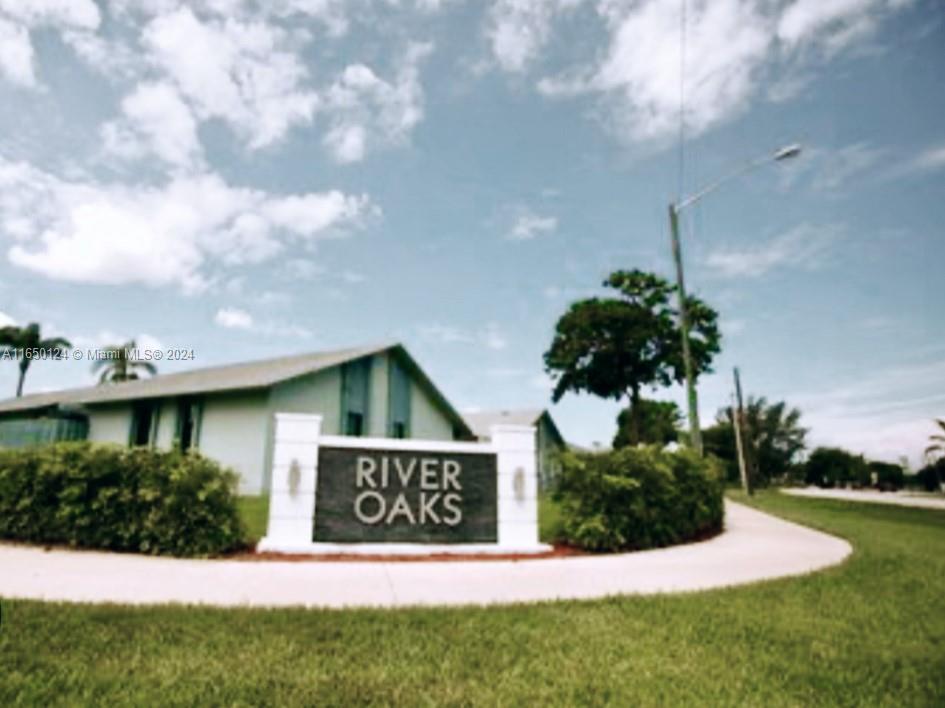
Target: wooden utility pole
738,414
692,400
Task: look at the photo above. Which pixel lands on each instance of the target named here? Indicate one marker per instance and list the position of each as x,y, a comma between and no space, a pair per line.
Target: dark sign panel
402,496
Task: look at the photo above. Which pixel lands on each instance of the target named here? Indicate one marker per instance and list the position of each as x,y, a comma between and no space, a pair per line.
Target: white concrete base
754,546
401,549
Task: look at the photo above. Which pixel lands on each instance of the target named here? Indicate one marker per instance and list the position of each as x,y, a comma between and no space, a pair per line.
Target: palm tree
937,448
120,363
773,436
26,344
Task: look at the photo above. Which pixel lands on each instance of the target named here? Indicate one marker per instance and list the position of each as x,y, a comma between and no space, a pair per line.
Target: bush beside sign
391,496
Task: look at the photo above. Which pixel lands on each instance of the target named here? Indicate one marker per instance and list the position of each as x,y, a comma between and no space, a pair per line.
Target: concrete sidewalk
754,546
917,500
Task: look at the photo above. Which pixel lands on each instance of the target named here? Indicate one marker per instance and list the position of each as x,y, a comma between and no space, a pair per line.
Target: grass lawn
870,632
255,513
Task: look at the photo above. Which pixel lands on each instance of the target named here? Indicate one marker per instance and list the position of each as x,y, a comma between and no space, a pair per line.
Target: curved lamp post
784,153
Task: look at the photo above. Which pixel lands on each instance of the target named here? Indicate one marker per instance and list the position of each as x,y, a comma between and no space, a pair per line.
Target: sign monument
378,495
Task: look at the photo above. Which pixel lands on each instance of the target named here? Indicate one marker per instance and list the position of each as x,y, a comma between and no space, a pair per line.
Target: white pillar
517,486
294,476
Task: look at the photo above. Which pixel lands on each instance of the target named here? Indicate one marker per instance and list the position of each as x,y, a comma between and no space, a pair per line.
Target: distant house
226,412
548,438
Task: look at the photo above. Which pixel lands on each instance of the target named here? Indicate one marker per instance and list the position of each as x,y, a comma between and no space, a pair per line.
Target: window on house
143,418
354,424
399,401
188,424
355,388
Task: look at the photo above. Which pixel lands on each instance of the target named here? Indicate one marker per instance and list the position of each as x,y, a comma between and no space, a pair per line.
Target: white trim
293,501
404,549
408,444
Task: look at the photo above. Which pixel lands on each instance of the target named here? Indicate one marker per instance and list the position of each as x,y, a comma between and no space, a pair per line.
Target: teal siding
399,401
356,413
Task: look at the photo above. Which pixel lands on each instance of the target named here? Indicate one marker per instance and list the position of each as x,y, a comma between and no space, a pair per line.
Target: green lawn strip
868,632
255,513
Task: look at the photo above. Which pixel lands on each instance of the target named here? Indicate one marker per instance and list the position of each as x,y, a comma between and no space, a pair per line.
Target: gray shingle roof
253,374
483,420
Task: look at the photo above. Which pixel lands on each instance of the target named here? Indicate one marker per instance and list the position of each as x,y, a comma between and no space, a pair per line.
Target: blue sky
253,179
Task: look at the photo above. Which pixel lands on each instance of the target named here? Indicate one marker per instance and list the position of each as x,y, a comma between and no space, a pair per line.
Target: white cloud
236,318
273,298
353,278
517,30
149,342
490,336
841,165
68,13
733,49
725,43
830,24
303,268
803,246
930,159
346,143
156,120
933,158
493,338
108,338
528,226
16,54
240,72
831,169
178,233
233,318
6,320
884,415
365,110
19,17
431,5
332,14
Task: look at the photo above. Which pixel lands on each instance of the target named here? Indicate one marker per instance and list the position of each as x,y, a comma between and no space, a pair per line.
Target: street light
783,153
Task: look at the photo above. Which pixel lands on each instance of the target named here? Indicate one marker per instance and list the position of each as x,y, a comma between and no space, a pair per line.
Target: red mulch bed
557,551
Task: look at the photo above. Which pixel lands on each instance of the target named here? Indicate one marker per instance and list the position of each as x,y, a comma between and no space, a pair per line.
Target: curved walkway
755,546
913,499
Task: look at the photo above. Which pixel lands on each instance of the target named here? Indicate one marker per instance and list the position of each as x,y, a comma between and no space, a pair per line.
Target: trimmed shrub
108,497
636,498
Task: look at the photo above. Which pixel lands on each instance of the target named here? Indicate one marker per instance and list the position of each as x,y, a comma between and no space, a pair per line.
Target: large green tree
833,466
772,436
614,347
121,363
659,423
27,344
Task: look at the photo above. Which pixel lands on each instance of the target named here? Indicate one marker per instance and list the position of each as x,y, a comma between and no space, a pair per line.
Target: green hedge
636,498
109,497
